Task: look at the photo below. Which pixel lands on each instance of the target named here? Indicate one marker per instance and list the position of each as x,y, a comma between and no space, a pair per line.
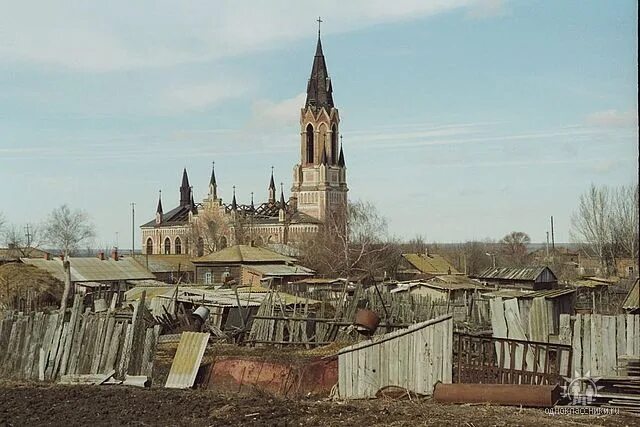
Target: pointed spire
234,204
159,208
185,189
193,207
323,159
341,157
282,203
319,90
272,188
252,207
213,187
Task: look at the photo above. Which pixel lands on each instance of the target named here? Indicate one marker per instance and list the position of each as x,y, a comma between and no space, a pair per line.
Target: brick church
318,192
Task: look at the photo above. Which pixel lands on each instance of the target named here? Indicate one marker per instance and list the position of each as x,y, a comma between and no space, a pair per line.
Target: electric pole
28,235
133,228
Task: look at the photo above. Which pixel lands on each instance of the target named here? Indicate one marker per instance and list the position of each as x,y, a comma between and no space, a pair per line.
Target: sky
461,119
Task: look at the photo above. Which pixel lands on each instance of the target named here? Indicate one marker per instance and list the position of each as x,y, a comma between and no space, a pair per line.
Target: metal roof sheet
281,270
187,360
243,253
549,293
93,269
512,273
165,263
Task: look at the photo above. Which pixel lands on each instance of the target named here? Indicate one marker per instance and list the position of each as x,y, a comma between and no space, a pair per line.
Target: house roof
517,293
632,301
93,269
176,216
165,263
14,254
512,273
434,283
243,254
279,270
431,263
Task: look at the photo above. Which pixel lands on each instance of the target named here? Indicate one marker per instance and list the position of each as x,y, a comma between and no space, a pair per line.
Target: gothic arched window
309,143
223,242
167,246
149,250
334,144
178,246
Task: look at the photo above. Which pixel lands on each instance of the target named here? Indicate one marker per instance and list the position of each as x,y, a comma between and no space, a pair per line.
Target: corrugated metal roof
93,269
243,253
430,263
511,273
505,293
404,286
632,301
187,360
165,263
277,270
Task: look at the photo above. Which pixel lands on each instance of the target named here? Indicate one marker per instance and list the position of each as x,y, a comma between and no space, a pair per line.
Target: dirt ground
46,404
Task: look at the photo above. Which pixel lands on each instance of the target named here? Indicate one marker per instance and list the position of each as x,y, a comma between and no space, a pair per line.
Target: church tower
320,180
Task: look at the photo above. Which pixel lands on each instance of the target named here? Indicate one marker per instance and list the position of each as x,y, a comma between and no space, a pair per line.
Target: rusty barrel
367,321
539,396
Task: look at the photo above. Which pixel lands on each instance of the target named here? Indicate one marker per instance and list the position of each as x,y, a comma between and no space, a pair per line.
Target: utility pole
553,240
547,244
28,235
133,228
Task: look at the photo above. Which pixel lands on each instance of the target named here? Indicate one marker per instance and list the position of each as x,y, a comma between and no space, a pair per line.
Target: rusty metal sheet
540,396
187,360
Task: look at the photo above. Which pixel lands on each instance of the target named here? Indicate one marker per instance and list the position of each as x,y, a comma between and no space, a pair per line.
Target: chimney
101,255
62,257
47,256
114,254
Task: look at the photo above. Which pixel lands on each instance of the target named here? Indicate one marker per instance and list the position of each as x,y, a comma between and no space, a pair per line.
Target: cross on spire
319,20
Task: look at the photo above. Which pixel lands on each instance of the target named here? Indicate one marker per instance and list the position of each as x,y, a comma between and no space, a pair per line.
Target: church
318,192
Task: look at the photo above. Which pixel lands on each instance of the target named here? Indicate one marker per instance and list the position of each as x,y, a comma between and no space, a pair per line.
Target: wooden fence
45,346
413,359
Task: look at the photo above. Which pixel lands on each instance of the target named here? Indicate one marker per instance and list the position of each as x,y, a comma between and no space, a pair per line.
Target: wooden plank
609,342
77,345
447,376
114,345
636,333
516,331
596,344
186,361
63,337
586,345
107,341
99,342
564,337
75,313
55,346
621,339
630,336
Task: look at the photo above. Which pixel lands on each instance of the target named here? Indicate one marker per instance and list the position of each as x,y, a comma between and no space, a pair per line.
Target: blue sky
461,119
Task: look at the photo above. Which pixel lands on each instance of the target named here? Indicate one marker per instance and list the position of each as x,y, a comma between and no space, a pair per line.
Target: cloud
486,9
277,114
613,118
200,96
124,35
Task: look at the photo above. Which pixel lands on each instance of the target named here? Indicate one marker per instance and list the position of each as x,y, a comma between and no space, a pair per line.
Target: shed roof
517,293
15,253
243,254
513,273
165,263
278,270
93,269
434,284
632,301
431,263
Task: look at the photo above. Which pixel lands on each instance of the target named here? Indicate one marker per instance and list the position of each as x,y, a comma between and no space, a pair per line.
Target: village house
531,278
13,253
420,265
247,265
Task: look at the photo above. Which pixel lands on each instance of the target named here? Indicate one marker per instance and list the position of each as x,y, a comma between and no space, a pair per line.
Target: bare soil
38,404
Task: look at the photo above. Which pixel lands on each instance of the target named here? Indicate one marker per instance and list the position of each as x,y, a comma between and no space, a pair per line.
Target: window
223,242
208,278
149,250
309,143
178,246
334,144
167,246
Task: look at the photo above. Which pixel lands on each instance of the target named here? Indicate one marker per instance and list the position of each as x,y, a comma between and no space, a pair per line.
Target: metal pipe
539,396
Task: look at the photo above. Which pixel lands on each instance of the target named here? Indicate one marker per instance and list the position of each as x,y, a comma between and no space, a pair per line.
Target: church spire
159,208
319,90
282,202
213,186
272,188
323,158
234,204
341,157
185,189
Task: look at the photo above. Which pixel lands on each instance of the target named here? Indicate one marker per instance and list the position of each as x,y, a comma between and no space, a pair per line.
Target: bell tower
320,179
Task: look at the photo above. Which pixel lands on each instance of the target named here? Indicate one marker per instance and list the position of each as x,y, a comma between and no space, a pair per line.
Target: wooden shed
413,359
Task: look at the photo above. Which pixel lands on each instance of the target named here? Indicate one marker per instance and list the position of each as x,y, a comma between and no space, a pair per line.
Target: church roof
319,90
176,216
244,254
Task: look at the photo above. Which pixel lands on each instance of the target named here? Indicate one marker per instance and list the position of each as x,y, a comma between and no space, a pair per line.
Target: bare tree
513,247
67,229
210,228
624,221
13,237
2,221
352,241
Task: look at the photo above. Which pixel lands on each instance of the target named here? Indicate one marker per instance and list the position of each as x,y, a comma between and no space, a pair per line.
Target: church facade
318,192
